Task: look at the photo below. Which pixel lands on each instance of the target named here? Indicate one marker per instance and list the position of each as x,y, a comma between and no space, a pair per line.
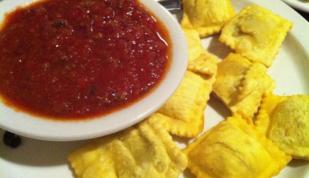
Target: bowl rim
52,130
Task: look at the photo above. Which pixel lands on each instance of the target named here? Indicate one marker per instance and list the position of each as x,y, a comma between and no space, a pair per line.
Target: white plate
37,159
299,4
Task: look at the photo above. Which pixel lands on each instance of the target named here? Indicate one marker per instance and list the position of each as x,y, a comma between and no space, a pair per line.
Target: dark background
304,14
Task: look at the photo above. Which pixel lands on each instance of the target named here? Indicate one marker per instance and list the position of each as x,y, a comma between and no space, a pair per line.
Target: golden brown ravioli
205,65
241,84
285,120
256,33
268,104
233,149
200,61
207,16
144,151
194,43
183,113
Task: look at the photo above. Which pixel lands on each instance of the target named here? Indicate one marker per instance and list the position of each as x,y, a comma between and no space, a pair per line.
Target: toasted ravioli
208,16
231,71
233,149
256,33
254,85
183,113
205,65
200,61
241,84
194,43
91,154
268,104
185,22
289,126
146,150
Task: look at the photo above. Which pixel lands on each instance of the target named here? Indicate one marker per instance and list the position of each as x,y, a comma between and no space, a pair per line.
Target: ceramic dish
45,129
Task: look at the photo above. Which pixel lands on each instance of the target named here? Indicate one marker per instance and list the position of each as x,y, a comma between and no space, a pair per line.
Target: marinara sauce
76,59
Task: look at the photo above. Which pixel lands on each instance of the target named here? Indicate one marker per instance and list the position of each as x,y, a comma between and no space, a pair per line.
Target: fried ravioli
233,149
183,113
256,33
208,16
241,84
285,120
144,151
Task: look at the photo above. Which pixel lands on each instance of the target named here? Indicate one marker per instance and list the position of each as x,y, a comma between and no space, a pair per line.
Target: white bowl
44,129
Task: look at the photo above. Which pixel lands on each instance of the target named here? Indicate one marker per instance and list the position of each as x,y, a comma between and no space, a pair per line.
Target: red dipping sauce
77,59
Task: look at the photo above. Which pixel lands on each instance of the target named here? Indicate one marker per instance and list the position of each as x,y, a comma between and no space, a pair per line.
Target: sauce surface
76,59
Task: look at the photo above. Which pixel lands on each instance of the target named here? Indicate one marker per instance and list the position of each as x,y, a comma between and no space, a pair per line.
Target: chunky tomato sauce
74,59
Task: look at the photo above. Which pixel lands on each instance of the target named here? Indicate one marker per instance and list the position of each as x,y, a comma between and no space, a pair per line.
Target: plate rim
298,5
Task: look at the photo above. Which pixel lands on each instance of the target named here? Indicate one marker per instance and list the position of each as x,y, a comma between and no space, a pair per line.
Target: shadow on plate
188,174
38,153
295,169
218,106
297,163
217,48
